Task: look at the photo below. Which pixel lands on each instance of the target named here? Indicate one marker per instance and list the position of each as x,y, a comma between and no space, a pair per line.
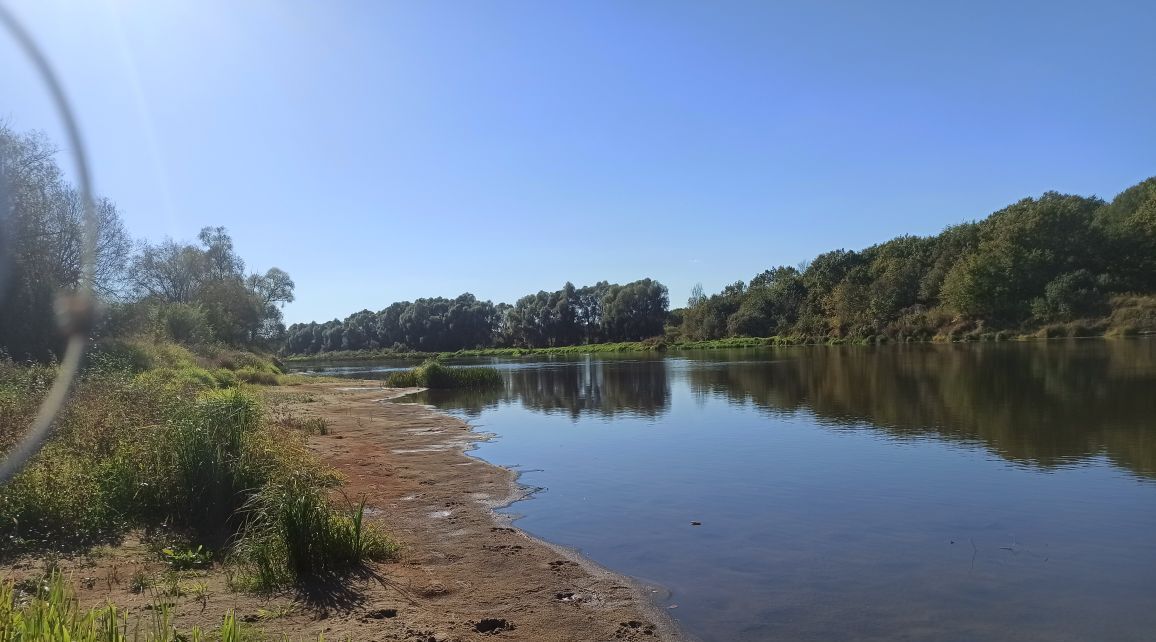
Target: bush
1068,296
226,378
187,379
249,374
182,322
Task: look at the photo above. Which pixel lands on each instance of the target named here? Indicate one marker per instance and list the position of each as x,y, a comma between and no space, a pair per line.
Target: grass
432,374
183,367
294,531
169,449
50,613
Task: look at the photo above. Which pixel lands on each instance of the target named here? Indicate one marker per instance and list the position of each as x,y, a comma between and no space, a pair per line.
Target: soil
463,573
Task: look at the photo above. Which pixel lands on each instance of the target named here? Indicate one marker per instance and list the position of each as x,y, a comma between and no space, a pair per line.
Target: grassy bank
177,444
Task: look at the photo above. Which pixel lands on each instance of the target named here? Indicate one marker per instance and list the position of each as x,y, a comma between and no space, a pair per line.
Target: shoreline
464,571
338,357
667,628
540,589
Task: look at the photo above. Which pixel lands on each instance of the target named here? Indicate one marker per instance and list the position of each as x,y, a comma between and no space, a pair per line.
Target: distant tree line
1055,259
1049,260
570,316
191,292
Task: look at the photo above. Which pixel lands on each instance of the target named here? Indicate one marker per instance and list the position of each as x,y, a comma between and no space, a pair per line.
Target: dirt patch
463,573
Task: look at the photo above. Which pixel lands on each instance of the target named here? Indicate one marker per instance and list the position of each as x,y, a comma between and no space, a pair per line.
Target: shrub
1068,296
188,378
226,378
249,374
182,322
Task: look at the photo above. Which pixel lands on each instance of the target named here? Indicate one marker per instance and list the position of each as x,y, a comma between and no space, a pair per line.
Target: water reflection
1043,404
923,492
607,389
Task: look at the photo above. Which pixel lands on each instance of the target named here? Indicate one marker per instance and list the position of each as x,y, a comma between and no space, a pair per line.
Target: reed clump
432,374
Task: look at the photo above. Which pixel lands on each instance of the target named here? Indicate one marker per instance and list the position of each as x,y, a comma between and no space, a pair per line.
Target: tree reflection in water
1044,404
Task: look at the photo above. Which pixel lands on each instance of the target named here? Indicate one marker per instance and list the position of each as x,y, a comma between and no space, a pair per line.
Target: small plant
181,560
172,585
308,425
52,613
139,581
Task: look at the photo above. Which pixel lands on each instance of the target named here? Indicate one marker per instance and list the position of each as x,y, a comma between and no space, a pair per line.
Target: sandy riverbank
464,573
463,568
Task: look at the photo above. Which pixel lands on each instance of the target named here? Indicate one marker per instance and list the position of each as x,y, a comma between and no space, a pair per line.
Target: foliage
570,316
1055,259
184,559
206,289
191,294
41,237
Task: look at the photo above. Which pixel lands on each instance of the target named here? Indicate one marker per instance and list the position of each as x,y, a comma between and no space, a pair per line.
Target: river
931,492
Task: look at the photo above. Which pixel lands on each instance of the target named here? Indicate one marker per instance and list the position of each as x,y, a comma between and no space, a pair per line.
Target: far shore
659,345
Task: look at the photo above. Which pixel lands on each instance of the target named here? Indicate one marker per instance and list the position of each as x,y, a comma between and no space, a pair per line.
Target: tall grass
134,450
432,374
293,530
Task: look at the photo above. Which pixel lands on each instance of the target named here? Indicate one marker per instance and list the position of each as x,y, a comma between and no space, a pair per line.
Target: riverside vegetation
432,374
167,432
161,438
1057,265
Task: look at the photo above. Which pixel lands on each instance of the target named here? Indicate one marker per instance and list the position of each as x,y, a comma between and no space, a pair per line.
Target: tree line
570,316
1054,259
189,292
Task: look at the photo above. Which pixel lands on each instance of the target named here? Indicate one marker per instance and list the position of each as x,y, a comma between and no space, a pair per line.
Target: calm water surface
975,492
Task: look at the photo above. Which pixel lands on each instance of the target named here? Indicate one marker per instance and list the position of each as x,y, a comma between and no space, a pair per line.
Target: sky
385,151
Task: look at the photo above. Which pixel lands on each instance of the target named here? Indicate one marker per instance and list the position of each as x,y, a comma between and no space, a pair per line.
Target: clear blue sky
382,151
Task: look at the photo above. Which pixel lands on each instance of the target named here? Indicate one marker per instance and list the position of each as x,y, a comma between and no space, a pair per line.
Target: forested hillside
1058,263
1052,260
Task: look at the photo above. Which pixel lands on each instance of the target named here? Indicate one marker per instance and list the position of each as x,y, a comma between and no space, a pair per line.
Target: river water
930,492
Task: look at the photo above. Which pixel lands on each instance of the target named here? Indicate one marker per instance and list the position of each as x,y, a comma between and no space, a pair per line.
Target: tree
1021,249
42,238
241,310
